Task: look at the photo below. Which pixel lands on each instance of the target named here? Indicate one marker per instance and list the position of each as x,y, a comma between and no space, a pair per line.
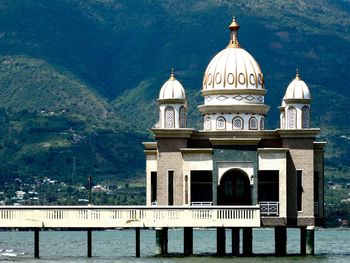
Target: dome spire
172,76
234,27
297,76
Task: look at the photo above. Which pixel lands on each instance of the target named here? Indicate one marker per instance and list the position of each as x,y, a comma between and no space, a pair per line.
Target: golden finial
297,76
234,27
172,76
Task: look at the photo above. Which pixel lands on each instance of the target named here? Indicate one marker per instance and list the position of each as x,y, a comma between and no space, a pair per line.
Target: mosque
233,160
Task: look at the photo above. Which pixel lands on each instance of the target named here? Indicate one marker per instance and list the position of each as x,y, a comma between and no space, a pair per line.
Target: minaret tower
295,108
172,105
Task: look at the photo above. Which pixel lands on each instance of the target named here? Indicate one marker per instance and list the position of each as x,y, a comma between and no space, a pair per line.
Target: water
331,245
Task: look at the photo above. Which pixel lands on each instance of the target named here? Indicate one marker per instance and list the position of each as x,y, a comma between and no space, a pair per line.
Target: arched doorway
234,189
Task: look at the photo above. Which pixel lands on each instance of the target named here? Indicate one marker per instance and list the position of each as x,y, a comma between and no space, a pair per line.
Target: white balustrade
128,216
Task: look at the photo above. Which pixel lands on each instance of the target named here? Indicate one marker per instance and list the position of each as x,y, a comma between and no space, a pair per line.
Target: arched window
253,124
169,117
182,117
292,118
207,123
283,121
220,123
237,123
305,113
262,124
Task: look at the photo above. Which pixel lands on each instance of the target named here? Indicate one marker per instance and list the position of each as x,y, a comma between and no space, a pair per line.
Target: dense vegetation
79,79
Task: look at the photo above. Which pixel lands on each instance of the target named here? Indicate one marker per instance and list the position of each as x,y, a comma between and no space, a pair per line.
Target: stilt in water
220,241
280,240
89,243
162,241
137,241
310,240
188,241
247,241
36,243
235,241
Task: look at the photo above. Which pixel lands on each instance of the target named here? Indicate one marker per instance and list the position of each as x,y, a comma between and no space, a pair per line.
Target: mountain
79,79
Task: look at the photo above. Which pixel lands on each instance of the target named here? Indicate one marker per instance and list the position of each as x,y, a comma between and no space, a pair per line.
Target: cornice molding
298,133
237,108
172,133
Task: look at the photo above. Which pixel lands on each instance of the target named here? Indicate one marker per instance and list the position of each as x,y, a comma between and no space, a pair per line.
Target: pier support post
280,240
235,241
36,243
162,241
188,241
89,243
310,240
247,241
220,241
303,240
137,240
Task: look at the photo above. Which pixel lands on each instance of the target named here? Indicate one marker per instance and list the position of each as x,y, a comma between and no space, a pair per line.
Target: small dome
297,89
172,89
233,67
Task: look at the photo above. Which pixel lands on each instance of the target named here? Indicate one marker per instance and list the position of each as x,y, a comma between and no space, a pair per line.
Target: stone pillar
247,241
280,240
89,243
220,241
310,240
303,240
188,241
36,243
162,241
235,241
137,242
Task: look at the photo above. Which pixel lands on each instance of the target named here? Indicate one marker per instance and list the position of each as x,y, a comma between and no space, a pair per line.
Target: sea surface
331,245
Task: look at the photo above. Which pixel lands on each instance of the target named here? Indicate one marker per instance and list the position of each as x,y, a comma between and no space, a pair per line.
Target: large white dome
297,89
233,68
172,89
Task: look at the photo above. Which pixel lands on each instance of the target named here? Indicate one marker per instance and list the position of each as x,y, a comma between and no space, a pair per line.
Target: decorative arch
208,123
220,123
305,116
262,123
237,123
169,117
234,188
253,123
292,118
182,116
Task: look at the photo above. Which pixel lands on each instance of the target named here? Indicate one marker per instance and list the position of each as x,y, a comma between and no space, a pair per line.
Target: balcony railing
128,216
269,208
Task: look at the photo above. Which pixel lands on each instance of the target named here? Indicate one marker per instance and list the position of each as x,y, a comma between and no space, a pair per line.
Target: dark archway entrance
234,189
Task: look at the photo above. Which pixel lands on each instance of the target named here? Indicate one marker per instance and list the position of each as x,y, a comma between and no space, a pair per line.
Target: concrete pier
162,241
310,240
220,241
188,241
235,241
247,241
280,240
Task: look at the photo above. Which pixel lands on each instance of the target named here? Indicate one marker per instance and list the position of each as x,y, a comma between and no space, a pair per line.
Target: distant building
233,160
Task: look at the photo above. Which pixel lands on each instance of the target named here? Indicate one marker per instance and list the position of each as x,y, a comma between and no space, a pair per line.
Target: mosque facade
233,160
